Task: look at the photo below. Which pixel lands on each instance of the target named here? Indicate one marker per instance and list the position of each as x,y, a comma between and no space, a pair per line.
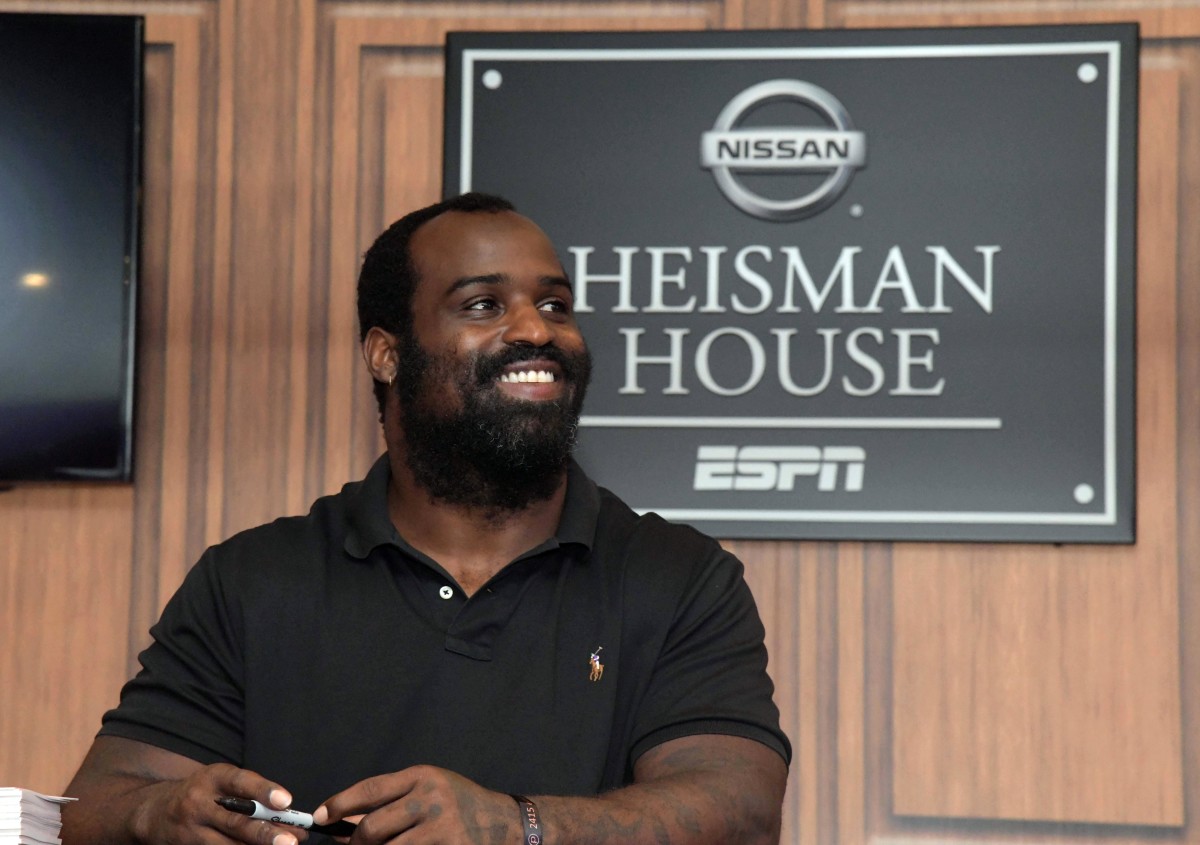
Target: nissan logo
836,149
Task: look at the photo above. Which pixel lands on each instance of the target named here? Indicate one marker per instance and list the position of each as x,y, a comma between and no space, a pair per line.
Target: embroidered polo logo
597,668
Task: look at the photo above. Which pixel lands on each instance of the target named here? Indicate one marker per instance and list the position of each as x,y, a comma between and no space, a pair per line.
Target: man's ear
379,351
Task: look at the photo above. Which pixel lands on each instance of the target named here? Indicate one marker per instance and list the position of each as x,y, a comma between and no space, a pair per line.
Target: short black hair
387,278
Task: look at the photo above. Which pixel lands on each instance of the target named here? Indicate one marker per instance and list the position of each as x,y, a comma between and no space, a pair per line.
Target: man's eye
481,305
556,305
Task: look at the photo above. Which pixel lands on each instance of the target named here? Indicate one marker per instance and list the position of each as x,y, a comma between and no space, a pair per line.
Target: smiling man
474,644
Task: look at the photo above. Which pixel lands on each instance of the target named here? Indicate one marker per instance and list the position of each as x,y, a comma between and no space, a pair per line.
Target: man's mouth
528,376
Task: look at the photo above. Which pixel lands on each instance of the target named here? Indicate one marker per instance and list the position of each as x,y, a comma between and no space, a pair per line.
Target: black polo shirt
323,649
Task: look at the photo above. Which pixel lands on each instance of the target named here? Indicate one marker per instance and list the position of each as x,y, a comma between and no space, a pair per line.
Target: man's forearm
135,794
688,793
107,810
699,790
688,810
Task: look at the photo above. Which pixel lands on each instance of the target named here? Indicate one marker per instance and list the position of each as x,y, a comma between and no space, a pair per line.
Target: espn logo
778,467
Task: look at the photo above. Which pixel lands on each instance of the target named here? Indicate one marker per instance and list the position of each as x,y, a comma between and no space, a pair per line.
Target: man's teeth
527,376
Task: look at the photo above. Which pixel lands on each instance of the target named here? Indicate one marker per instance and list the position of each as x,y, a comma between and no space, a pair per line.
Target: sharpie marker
255,810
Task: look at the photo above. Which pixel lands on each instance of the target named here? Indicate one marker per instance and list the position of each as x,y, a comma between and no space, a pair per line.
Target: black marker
255,810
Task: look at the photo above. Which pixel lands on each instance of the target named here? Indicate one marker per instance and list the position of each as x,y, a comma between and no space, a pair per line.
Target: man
475,644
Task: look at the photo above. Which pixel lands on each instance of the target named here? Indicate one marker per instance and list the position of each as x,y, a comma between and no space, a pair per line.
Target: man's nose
527,324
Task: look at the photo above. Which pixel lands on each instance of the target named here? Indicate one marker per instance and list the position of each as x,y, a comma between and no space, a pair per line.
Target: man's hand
186,811
427,804
130,792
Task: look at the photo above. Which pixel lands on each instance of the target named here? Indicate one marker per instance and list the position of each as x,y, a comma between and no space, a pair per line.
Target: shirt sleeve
188,696
710,676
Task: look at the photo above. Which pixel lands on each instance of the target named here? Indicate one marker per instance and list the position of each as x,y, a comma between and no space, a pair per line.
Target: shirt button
446,593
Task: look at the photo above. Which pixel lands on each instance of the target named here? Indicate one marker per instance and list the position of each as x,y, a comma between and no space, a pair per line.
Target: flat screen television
70,145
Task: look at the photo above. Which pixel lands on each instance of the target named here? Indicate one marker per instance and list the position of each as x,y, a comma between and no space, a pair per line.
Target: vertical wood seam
851,774
296,493
218,417
182,34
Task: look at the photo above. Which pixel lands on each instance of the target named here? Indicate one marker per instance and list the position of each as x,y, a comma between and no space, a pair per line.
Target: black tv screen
70,124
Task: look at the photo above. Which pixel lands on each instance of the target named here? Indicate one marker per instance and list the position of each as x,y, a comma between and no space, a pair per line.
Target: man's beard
495,453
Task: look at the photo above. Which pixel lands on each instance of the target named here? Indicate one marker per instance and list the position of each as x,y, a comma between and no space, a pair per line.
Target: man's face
492,380
491,286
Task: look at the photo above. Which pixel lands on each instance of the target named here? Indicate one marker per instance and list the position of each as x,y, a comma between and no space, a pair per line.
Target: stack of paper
29,818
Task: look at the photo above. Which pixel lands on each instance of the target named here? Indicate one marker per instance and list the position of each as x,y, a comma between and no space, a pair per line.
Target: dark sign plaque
845,285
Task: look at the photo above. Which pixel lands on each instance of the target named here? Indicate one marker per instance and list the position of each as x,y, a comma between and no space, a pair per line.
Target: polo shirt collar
581,509
368,524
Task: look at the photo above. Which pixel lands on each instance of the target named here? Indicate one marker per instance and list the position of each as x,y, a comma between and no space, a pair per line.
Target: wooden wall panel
1185,56
1157,18
304,342
787,582
261,291
170,458
853,631
64,604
